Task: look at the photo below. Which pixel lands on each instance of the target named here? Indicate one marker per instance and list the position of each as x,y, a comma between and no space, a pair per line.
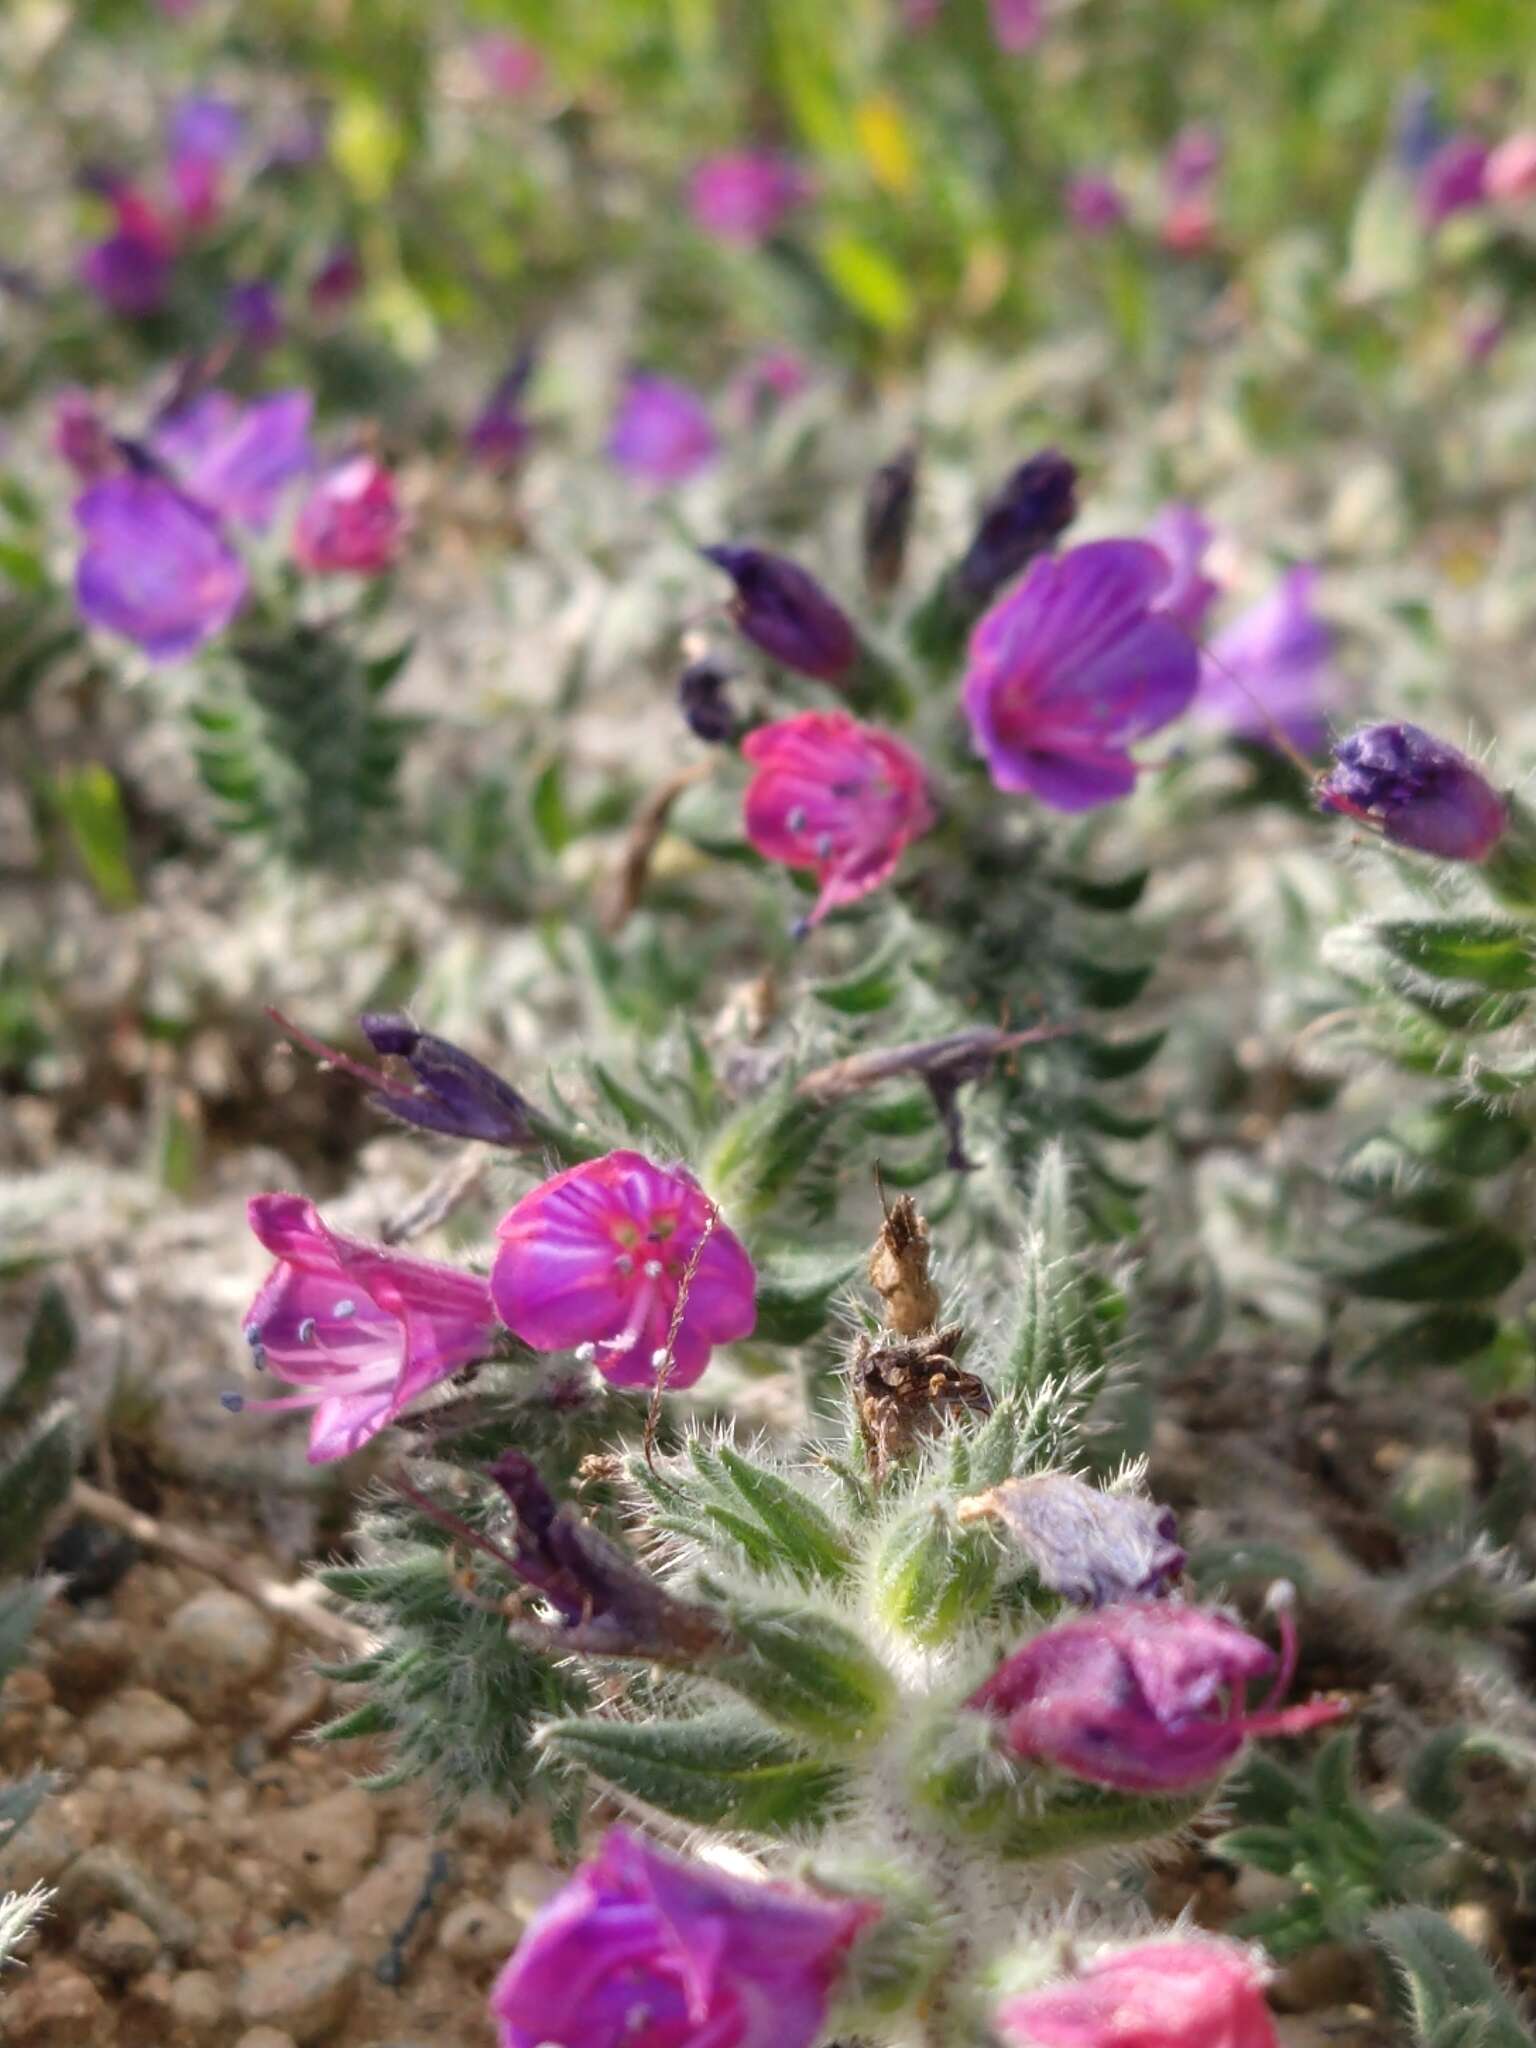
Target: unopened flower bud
1419,790
889,504
783,610
707,711
457,1095
1033,507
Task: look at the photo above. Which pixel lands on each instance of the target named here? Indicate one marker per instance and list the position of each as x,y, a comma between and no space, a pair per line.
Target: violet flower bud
1031,509
889,504
1089,1546
1144,1696
706,709
1421,791
654,1952
456,1093
782,609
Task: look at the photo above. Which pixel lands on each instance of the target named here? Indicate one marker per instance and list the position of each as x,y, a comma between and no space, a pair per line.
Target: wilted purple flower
1182,536
642,1950
1089,1546
1070,667
130,270
745,195
1270,670
255,312
662,433
1197,1993
701,698
1421,792
1453,181
1145,1696
510,66
338,280
1017,25
155,567
455,1093
1030,510
205,135
500,433
238,459
80,437
782,609
1095,204
359,1330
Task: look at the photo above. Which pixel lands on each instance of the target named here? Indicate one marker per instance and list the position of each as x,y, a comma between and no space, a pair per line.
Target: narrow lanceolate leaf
1072,1817
718,1769
1443,1988
931,1578
1490,952
1466,1138
20,1606
809,1674
871,987
1471,1265
34,1484
1441,1336
805,1539
796,1290
50,1345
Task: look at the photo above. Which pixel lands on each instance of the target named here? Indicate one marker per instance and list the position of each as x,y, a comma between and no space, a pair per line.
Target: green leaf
1441,1336
873,985
548,808
1070,1818
34,1484
1272,1848
796,1289
810,1674
1115,1060
50,1345
1471,1265
1437,1979
1463,1137
91,807
930,1578
1104,987
805,1539
640,1117
1123,894
1491,952
20,1606
722,1769
870,280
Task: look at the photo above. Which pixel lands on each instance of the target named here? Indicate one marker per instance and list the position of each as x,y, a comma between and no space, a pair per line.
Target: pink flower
841,798
920,15
642,1950
1510,176
596,1257
511,67
1182,537
360,1331
1270,669
236,458
351,522
1017,25
1145,1696
80,436
769,378
1453,181
1190,173
662,433
745,195
206,135
337,282
1095,204
130,270
1163,1994
1071,665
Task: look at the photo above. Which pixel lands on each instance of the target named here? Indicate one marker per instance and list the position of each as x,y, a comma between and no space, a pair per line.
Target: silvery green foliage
19,1914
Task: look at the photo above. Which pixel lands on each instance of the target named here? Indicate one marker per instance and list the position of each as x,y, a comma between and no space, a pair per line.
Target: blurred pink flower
662,432
1511,170
351,522
80,437
1190,173
1094,202
1197,1993
205,135
509,65
1453,181
767,379
130,269
745,195
1017,25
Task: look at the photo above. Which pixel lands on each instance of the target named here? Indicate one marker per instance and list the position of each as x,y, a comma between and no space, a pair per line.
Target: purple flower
155,567
1181,535
1017,25
1270,670
1198,1993
642,1950
205,135
596,1257
1089,1546
351,523
131,269
1095,204
1453,181
1190,172
338,280
1421,791
455,1094
255,312
745,195
500,434
360,1331
510,66
1070,667
1030,510
662,433
80,437
238,459
1145,1696
782,609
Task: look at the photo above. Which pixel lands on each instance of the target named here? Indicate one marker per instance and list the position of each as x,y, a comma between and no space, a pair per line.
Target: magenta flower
1095,204
1072,665
1510,177
1143,1696
841,798
662,433
642,1950
501,433
338,280
358,1330
1270,670
1190,173
1182,536
1017,25
595,1258
205,137
155,567
131,269
745,195
1200,1993
771,377
1453,181
235,458
1419,791
351,523
510,67
80,437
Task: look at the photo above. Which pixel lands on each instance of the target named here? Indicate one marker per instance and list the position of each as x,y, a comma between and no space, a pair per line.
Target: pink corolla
1182,537
1191,170
746,195
1094,202
205,136
80,436
836,796
352,522
768,379
1454,180
1162,1994
130,270
644,1950
1144,1696
236,458
1017,25
509,66
1073,664
1510,175
359,1332
1270,670
596,1259
662,432
155,566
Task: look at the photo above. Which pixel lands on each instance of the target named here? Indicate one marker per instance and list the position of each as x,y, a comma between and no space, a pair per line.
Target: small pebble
117,1945
198,2006
214,1650
478,1932
303,1985
136,1724
328,1845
